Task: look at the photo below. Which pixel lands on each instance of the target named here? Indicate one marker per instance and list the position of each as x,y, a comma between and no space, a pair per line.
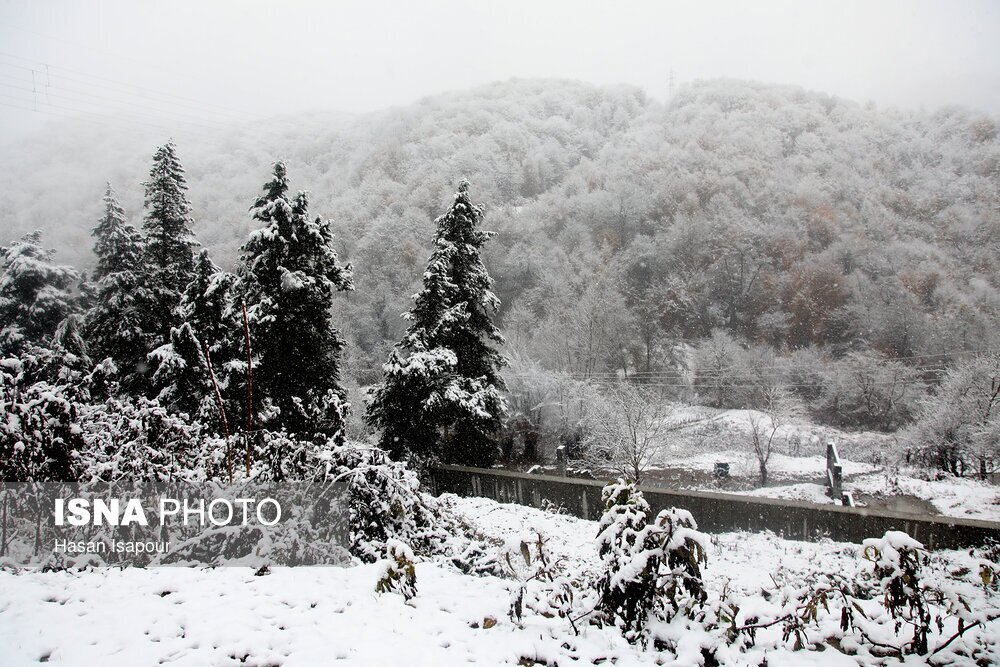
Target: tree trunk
246,333
763,473
3,537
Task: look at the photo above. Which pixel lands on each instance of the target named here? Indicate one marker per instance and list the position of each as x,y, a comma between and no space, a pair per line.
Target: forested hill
783,217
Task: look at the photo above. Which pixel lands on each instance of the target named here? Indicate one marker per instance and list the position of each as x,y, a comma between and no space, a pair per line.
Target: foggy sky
211,63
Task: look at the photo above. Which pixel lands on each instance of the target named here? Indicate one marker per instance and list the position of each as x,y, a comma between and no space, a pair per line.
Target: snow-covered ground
709,429
332,616
951,496
797,465
743,463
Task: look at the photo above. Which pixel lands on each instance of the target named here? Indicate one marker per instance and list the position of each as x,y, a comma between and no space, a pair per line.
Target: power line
95,103
101,104
782,368
87,88
726,372
83,115
144,95
200,103
659,375
812,385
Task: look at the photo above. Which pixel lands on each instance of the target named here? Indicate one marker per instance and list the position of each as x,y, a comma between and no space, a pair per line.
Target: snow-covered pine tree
35,294
39,436
181,381
208,334
206,304
170,243
118,245
43,388
441,392
120,324
69,340
287,275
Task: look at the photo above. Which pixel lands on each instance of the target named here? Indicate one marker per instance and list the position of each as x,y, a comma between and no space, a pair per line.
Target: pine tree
120,326
43,388
170,243
181,379
118,244
442,393
206,303
35,294
40,438
287,276
208,337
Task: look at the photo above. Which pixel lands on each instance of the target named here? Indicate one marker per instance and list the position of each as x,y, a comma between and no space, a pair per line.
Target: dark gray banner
186,524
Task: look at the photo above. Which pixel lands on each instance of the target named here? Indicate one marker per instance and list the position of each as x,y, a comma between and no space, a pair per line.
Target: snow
778,465
291,281
726,427
797,465
327,615
951,496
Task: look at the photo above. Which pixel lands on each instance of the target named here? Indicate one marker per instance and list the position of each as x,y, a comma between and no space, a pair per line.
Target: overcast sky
208,62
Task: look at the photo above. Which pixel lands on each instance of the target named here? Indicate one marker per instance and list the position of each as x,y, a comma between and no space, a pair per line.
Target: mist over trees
738,240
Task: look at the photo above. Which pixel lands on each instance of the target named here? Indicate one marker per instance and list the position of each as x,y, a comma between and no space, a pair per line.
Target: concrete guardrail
719,512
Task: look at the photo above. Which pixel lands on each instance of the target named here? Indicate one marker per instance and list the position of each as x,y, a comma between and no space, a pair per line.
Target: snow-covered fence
718,512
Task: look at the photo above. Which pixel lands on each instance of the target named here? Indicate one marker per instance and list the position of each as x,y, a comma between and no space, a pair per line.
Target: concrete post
561,460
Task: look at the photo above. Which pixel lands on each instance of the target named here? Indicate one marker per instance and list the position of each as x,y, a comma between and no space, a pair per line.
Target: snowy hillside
280,282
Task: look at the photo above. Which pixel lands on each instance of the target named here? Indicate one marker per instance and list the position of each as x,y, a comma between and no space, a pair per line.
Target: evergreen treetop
118,245
202,348
121,324
442,392
205,303
454,309
170,243
287,276
35,294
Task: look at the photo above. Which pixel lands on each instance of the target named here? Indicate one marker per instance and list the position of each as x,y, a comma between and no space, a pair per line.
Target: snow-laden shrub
543,586
384,503
683,550
647,568
907,602
898,558
40,394
139,442
278,456
398,574
380,502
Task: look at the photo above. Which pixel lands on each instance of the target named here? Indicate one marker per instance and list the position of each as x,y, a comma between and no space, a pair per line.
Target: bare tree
959,425
780,406
626,430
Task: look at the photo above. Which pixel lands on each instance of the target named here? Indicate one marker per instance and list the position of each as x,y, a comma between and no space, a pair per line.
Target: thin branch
963,631
222,411
246,334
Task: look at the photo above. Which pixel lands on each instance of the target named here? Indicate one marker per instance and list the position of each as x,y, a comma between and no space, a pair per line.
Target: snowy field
332,616
797,466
